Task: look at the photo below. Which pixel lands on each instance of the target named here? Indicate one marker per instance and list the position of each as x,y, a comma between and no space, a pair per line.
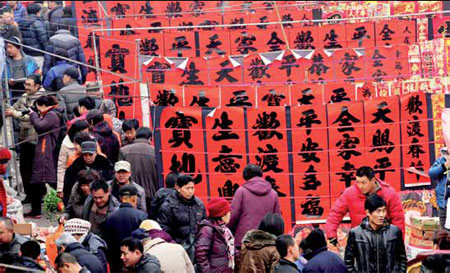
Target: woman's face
85,189
226,218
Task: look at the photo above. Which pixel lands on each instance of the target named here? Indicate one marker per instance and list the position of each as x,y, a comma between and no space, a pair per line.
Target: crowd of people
120,218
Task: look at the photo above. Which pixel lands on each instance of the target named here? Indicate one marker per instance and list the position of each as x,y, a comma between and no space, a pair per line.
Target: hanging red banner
332,36
243,42
179,44
290,69
304,37
306,94
339,92
386,33
349,65
238,96
202,96
382,131
273,95
157,71
256,71
215,43
223,71
310,157
360,35
321,68
166,95
415,139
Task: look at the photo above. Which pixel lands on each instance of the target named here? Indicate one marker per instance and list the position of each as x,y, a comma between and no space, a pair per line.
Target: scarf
229,239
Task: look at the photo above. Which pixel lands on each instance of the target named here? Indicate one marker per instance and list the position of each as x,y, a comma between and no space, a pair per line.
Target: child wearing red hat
214,249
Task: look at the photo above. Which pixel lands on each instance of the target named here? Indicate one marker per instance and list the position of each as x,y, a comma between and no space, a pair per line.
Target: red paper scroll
126,96
415,138
339,92
182,144
310,157
166,95
238,96
195,73
386,33
346,140
268,149
289,69
273,95
303,37
256,71
119,57
307,94
360,35
349,65
201,96
382,132
332,37
215,43
321,68
179,44
224,72
227,154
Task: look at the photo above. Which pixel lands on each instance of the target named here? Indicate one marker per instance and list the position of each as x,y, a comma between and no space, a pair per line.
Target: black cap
72,72
128,190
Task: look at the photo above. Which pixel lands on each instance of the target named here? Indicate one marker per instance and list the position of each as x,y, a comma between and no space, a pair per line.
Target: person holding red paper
353,198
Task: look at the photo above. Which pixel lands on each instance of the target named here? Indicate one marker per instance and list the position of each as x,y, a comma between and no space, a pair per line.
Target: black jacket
97,246
25,262
147,264
33,34
285,266
107,140
179,218
159,198
85,258
120,225
375,251
322,260
101,164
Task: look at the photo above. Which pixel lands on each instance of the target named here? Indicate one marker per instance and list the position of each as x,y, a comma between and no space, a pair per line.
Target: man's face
31,87
66,79
130,135
377,216
100,197
129,258
67,268
364,184
12,50
8,18
295,251
187,191
123,177
6,235
89,158
51,5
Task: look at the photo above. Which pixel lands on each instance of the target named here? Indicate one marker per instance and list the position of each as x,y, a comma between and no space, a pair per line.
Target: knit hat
77,226
316,239
218,207
149,225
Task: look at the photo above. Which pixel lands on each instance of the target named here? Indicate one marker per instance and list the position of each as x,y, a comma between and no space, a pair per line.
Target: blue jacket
322,260
33,34
19,12
84,257
55,74
438,177
30,66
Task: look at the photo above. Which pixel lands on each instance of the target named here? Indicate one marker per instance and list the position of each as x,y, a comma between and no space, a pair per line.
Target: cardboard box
425,223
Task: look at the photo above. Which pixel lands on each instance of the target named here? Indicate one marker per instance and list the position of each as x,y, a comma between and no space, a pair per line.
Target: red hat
5,154
218,207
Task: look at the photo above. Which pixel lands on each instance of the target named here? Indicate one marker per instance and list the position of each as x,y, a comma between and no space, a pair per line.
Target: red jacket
352,201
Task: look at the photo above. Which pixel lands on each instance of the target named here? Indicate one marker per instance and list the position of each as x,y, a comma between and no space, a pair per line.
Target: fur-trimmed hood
257,239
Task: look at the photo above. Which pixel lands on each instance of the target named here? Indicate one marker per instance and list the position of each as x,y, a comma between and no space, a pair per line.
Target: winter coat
172,257
101,164
141,204
439,179
53,78
107,140
157,201
369,250
285,266
120,224
250,203
147,264
211,248
33,34
14,246
352,201
179,218
67,149
84,257
63,39
258,253
141,156
29,66
27,132
69,96
54,16
45,158
74,207
25,262
113,205
19,12
323,260
8,30
97,246
436,263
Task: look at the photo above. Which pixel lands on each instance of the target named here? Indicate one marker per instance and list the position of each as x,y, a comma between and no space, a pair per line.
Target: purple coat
251,202
211,249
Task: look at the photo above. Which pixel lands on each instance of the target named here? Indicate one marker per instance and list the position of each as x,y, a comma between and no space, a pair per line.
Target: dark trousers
37,193
26,164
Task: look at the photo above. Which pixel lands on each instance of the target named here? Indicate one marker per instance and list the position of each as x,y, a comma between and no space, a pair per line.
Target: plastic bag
50,245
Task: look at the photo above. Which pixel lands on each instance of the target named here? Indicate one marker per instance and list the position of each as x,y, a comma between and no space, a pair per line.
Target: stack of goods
419,234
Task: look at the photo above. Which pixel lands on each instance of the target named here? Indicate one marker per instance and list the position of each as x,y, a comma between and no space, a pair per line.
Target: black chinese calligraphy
201,100
225,71
121,93
268,160
166,98
120,9
258,70
381,142
180,44
307,97
213,46
127,31
275,187
413,127
309,151
348,175
348,65
287,63
158,71
228,190
311,206
237,23
240,98
318,67
191,76
117,55
304,40
360,34
331,40
266,125
173,9
273,98
147,9
181,123
149,47
414,105
383,165
347,146
187,165
416,148
339,95
308,119
274,42
345,120
386,34
245,43
196,8
226,160
380,115
310,181
89,16
224,123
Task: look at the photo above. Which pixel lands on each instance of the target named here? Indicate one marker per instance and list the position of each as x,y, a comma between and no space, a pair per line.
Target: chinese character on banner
255,70
339,92
386,33
382,131
243,42
349,65
166,95
290,70
223,72
347,142
226,150
415,139
179,44
273,95
332,36
304,38
306,94
215,43
238,96
201,96
180,129
157,70
321,68
360,35
268,148
309,154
